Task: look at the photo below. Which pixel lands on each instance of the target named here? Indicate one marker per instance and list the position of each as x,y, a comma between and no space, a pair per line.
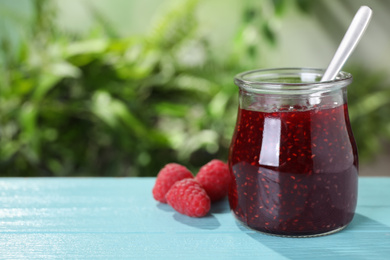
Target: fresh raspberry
215,179
189,198
167,176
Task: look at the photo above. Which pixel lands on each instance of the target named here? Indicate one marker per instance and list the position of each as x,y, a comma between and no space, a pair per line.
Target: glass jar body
293,158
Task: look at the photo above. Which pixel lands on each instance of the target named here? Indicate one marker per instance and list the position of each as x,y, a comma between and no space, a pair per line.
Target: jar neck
290,81
291,88
277,102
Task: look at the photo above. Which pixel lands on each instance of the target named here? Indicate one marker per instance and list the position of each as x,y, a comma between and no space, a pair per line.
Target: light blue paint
117,218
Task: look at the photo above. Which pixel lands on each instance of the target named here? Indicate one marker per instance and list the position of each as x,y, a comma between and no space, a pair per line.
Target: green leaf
174,26
249,14
170,109
269,34
86,47
370,103
8,149
113,112
64,69
29,135
217,106
84,52
45,84
280,6
193,83
304,5
103,21
101,107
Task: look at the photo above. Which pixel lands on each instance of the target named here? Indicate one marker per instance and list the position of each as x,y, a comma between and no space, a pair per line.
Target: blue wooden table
117,218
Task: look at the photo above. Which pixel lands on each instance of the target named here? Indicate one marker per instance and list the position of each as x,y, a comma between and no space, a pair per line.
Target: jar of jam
293,158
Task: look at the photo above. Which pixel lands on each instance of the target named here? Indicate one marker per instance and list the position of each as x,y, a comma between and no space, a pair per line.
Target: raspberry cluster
191,196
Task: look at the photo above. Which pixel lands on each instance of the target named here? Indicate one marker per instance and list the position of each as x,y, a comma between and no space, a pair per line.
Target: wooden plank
114,218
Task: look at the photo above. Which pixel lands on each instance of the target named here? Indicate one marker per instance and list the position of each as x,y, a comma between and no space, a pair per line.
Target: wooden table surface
117,218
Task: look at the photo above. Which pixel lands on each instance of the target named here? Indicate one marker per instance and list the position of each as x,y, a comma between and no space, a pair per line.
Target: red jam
294,171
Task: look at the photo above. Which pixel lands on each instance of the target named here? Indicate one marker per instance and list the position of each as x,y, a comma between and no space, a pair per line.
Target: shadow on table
364,238
220,207
165,207
208,222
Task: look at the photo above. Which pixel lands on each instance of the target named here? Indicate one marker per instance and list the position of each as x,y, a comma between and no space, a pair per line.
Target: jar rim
265,80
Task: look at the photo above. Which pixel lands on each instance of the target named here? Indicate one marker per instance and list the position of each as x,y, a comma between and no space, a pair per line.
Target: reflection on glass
271,142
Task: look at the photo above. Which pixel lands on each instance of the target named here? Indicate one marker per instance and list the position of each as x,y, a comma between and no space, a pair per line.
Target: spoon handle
349,42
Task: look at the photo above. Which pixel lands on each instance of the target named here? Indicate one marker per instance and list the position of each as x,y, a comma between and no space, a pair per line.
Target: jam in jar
293,158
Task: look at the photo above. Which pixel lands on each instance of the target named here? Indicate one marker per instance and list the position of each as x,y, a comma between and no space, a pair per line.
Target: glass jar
293,158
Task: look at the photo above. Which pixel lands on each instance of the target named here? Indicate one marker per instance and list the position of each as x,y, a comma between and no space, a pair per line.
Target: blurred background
120,88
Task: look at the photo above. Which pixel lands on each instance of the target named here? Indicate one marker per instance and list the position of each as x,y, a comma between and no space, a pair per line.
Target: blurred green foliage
369,111
101,105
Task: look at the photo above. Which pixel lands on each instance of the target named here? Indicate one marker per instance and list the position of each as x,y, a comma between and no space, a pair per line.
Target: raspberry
167,176
189,198
215,179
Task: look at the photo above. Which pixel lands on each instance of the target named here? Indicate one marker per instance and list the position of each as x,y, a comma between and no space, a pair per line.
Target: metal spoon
351,38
